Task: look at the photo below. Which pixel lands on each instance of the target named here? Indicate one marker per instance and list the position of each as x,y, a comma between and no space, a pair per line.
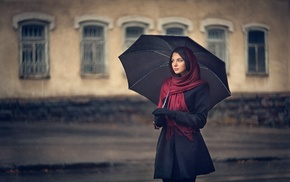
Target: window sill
94,76
34,77
257,74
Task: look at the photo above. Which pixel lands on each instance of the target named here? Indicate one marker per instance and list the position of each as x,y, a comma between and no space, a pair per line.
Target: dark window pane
216,34
39,52
261,59
252,59
256,51
32,31
93,31
256,37
174,31
87,57
99,67
88,53
27,53
134,32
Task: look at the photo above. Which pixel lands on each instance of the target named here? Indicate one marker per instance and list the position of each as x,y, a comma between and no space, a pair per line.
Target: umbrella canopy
146,66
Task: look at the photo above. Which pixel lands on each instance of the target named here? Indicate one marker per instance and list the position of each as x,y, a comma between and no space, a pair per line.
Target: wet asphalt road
240,153
249,171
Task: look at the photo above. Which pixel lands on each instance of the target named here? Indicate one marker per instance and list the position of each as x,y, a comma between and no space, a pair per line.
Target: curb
105,165
57,167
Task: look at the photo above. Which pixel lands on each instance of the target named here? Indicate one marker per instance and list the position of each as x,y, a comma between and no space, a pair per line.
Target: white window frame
126,45
95,41
221,23
175,25
134,21
225,41
175,22
106,24
48,23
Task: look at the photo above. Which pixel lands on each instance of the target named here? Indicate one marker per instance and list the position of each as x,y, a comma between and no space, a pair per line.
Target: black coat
178,157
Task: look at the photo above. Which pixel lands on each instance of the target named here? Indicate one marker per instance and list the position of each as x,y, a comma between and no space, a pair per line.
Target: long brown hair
183,52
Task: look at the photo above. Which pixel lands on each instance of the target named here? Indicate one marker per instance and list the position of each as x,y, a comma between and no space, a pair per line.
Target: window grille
132,34
256,52
93,50
33,58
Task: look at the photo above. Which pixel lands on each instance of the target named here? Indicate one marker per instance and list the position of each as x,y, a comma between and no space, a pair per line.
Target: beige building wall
64,43
288,38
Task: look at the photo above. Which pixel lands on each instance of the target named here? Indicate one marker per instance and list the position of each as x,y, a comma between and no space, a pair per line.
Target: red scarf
175,88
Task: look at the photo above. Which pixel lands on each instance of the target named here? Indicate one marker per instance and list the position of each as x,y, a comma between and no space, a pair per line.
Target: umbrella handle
163,105
155,127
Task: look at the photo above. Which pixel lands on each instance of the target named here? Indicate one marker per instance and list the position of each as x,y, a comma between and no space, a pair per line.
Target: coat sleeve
197,103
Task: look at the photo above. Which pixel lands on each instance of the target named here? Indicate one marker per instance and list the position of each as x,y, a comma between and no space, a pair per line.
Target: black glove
163,111
159,121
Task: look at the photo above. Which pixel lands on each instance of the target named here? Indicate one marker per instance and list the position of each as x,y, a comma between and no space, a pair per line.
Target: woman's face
178,64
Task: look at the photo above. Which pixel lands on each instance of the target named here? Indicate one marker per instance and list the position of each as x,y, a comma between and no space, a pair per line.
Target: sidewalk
79,145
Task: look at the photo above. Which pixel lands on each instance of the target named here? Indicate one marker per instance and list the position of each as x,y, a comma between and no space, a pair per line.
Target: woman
181,152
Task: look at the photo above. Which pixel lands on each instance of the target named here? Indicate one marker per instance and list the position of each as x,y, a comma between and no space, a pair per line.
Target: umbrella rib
202,66
162,55
165,55
171,48
162,65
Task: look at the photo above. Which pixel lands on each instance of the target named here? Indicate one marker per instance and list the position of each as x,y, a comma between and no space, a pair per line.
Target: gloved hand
163,111
159,121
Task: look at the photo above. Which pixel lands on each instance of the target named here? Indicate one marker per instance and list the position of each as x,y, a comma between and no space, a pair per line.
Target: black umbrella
146,66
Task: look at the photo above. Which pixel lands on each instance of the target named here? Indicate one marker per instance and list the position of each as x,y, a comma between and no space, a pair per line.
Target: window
176,26
132,33
93,35
256,48
217,31
133,26
216,42
33,28
33,50
93,50
256,51
174,31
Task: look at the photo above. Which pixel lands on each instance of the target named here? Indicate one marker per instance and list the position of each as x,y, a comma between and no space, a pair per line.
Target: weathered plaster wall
64,43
